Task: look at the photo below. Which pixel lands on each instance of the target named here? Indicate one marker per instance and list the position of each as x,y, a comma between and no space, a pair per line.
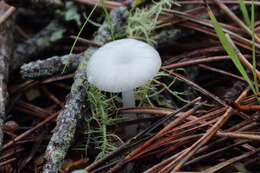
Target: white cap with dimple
123,65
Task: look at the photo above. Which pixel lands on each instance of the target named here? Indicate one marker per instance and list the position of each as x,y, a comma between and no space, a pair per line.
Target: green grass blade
229,49
82,28
244,12
108,19
253,45
76,40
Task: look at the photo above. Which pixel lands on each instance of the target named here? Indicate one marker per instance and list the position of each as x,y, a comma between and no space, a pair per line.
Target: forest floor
200,112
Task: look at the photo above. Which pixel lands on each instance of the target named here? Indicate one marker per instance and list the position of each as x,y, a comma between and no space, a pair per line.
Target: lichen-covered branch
36,3
6,40
40,42
75,104
51,66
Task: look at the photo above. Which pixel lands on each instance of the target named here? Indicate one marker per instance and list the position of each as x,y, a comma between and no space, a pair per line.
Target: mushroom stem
128,98
129,101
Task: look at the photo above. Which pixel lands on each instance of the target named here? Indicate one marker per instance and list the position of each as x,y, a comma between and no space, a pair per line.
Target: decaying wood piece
76,101
6,40
51,66
40,42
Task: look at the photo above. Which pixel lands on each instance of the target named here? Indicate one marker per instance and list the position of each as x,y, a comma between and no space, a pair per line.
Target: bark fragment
6,40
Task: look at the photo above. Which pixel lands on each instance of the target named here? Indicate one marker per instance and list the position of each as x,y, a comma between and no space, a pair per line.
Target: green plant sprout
244,12
251,24
253,45
108,19
231,51
66,63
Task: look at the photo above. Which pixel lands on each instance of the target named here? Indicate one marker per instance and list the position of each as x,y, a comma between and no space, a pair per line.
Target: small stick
52,97
7,162
207,155
58,78
221,71
239,135
86,41
197,61
7,14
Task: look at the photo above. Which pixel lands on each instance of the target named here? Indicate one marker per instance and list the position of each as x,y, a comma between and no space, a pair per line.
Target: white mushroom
121,66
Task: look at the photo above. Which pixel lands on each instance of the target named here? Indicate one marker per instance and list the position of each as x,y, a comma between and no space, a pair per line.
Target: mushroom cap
123,65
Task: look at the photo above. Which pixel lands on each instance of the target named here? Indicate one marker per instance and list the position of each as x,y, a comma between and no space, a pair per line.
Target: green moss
100,106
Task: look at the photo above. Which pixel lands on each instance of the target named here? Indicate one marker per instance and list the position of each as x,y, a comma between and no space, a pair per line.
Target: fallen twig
50,66
75,104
